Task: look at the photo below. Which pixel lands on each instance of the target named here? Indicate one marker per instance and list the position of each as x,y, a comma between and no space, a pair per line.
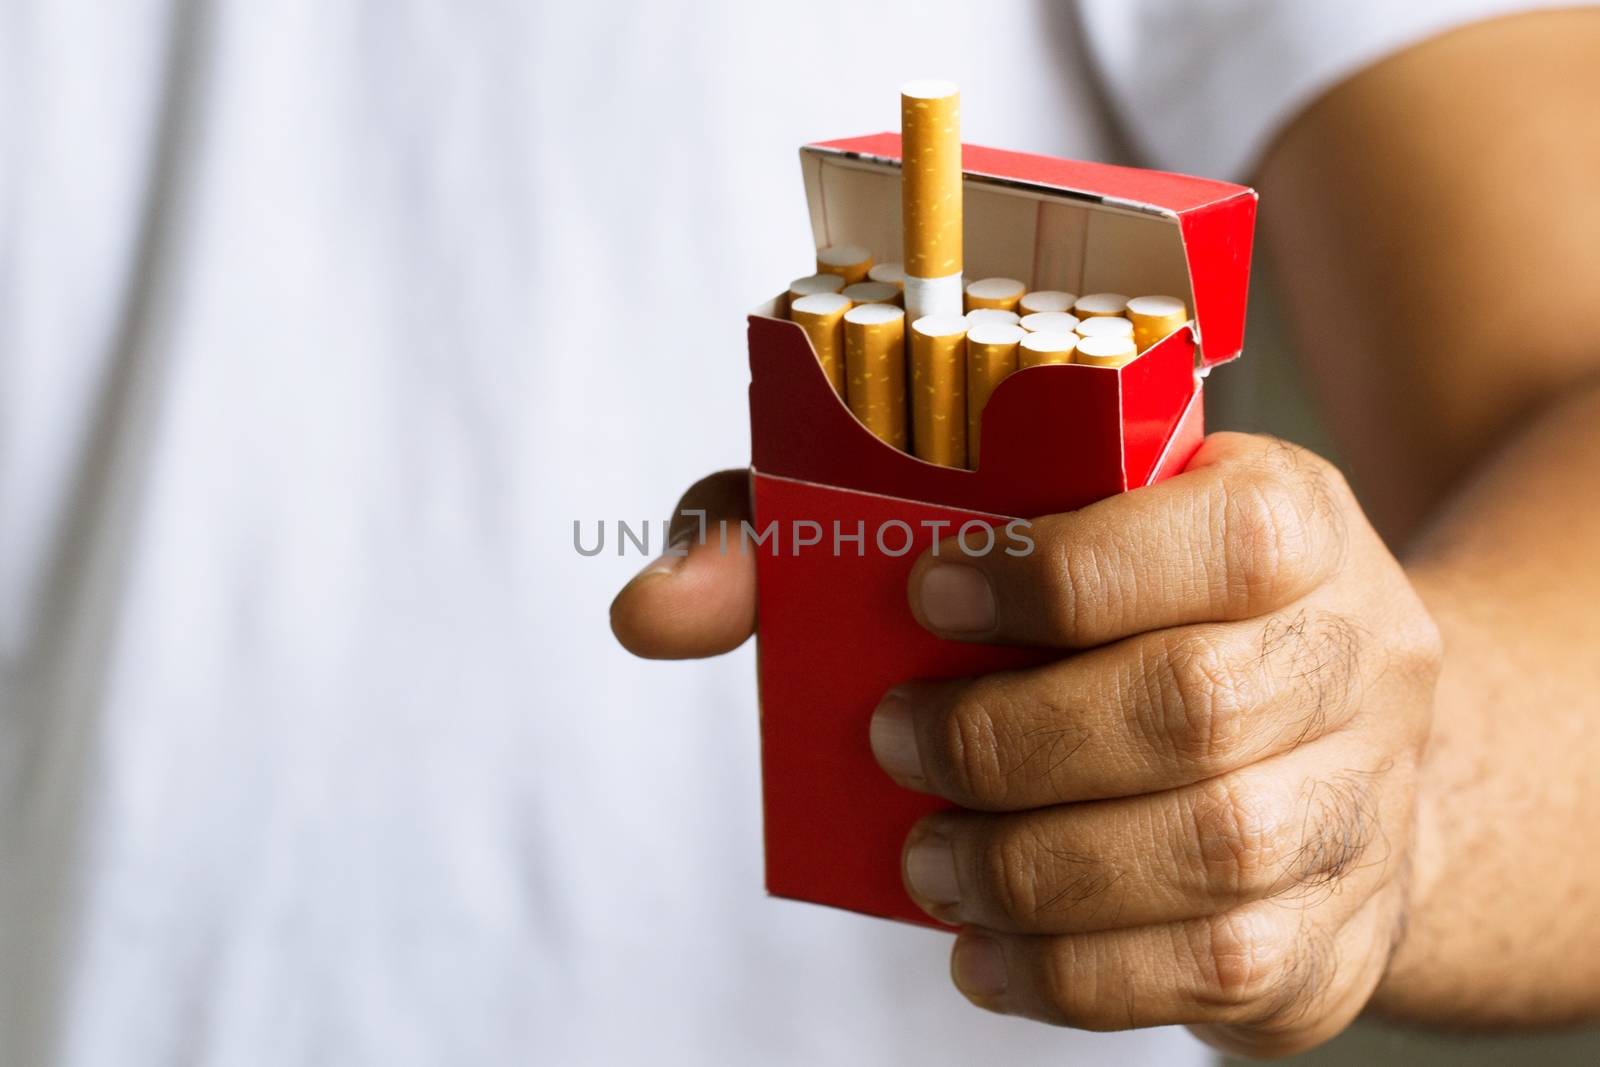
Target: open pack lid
1060,224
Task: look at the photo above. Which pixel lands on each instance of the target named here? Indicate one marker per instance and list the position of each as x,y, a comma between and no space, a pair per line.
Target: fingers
1285,829
1253,525
1260,980
696,599
1151,713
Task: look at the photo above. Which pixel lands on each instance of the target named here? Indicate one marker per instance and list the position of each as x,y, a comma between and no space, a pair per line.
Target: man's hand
1205,817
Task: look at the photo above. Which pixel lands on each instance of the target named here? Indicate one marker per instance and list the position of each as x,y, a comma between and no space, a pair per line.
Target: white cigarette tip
872,314
940,325
929,89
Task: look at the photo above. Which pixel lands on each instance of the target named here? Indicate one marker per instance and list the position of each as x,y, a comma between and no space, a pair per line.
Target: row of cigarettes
852,309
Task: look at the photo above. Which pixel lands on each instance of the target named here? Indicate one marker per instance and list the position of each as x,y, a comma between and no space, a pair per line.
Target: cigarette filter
875,369
873,293
893,273
991,356
1038,349
1049,321
1105,326
1105,351
850,262
930,191
1046,300
1155,317
1002,293
815,283
992,317
939,390
1092,304
821,315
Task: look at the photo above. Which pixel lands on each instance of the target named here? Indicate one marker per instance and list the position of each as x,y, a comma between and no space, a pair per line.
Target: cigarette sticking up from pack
872,293
1155,317
1105,351
991,358
930,206
991,317
850,262
821,315
812,284
875,369
1089,305
1049,322
939,390
1046,300
1001,293
1105,326
1039,349
893,273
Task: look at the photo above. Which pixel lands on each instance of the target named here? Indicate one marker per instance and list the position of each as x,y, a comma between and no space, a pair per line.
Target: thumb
697,599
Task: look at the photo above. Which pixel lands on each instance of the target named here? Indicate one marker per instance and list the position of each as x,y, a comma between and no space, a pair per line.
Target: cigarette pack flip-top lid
844,515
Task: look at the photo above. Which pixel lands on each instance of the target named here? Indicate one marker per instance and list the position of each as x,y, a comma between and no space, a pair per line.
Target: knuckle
1060,984
1008,873
1076,579
969,758
1244,961
1342,823
1316,657
1242,835
1201,699
1281,520
1265,545
1418,646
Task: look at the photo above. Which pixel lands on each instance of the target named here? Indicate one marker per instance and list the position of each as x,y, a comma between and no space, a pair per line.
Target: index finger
1252,526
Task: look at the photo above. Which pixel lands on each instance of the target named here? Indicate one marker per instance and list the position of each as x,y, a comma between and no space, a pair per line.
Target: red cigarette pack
843,516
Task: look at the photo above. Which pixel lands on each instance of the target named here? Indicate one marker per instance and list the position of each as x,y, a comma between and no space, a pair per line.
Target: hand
693,600
1205,817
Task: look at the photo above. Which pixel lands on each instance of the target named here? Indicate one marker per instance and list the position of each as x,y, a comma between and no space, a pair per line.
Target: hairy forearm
1506,879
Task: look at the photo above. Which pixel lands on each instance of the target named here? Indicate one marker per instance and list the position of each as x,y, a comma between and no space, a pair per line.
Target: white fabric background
314,748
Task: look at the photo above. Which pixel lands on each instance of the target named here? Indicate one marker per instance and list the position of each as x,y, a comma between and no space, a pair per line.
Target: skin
1326,750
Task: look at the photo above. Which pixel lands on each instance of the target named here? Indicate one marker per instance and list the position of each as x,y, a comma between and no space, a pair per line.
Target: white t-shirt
314,745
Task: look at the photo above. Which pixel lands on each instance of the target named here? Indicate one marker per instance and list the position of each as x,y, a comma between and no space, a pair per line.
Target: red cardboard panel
835,823
1154,188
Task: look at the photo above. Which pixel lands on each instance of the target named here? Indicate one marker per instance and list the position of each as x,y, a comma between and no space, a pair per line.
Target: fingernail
956,598
669,560
978,967
894,738
931,870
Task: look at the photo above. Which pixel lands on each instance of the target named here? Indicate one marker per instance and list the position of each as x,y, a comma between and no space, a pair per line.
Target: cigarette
893,273
1046,300
821,315
1049,322
1154,318
939,390
992,317
1092,304
1002,293
850,262
1105,326
991,356
875,369
930,191
872,293
1105,351
1037,349
815,283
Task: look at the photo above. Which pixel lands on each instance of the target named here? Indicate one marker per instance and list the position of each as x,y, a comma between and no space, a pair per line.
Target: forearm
1506,879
